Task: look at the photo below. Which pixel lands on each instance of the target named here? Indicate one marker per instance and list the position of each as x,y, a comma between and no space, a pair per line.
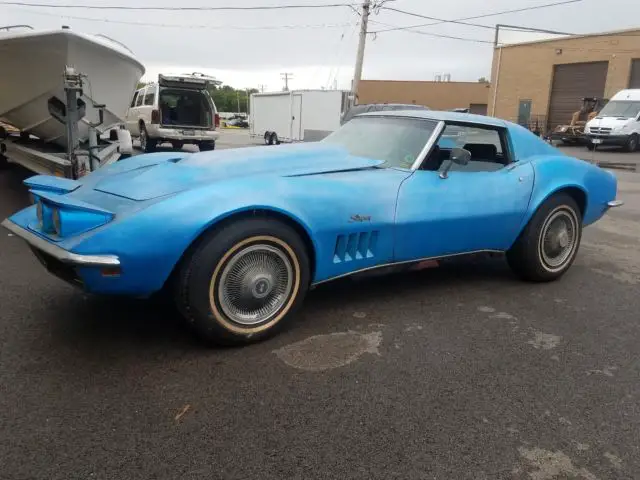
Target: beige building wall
526,70
435,95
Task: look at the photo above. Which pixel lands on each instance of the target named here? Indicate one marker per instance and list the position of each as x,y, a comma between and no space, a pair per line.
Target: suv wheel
207,146
147,145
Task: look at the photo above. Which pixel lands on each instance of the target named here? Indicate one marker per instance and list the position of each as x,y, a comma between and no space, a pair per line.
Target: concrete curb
633,167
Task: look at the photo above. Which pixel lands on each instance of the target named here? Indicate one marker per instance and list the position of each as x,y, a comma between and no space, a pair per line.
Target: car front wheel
548,245
632,143
243,282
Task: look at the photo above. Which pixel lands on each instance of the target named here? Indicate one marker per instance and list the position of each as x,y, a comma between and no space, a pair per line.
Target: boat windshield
620,109
396,140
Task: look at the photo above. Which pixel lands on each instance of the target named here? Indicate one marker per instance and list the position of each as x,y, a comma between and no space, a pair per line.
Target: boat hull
32,67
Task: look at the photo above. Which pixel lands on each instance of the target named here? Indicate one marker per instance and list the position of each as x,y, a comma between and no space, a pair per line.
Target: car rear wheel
147,145
547,247
243,282
206,146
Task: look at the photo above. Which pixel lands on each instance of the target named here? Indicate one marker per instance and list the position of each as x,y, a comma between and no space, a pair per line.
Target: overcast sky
251,48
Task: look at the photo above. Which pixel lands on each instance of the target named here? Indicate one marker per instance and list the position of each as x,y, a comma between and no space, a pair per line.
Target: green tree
228,99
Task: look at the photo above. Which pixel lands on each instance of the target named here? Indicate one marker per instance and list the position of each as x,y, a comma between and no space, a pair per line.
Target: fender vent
355,246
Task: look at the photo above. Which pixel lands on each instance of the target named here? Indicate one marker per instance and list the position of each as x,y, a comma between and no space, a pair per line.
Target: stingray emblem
360,218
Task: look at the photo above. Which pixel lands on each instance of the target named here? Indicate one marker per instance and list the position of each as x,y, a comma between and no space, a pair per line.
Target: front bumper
619,140
67,266
39,244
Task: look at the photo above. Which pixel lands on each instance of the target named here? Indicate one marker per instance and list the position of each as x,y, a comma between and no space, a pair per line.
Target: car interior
185,108
487,148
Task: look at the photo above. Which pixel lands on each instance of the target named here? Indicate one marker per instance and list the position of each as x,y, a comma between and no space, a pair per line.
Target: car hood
608,122
159,175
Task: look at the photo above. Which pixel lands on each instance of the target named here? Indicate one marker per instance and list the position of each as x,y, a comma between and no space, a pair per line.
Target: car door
131,118
472,208
136,113
148,104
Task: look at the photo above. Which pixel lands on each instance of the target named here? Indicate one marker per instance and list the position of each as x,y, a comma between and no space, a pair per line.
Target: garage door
572,82
634,81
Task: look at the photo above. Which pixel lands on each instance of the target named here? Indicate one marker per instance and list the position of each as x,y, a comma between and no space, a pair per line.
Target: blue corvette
239,236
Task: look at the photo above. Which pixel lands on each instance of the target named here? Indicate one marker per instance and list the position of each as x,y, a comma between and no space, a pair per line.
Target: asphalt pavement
456,372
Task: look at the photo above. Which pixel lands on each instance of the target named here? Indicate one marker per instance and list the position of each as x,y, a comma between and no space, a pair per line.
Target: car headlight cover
55,216
39,211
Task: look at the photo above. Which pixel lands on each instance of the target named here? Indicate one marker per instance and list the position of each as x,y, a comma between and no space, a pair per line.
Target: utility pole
286,77
366,8
261,87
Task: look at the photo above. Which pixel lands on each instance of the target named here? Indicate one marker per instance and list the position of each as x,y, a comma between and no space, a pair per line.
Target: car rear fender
588,184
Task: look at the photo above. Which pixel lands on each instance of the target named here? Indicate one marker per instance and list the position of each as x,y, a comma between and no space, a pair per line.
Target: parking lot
456,372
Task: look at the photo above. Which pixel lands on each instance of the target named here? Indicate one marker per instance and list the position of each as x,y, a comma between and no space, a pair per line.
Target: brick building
435,95
542,83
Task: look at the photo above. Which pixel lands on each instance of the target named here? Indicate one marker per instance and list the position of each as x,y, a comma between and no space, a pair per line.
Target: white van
177,109
618,123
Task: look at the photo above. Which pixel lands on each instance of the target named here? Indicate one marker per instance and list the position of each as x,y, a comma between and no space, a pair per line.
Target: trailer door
296,117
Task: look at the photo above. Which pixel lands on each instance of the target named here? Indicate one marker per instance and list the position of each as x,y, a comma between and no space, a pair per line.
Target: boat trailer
79,159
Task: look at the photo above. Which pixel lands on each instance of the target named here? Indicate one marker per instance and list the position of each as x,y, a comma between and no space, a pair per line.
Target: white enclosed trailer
296,116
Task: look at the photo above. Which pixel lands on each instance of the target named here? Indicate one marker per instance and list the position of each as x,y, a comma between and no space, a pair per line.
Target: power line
437,35
123,7
191,26
440,21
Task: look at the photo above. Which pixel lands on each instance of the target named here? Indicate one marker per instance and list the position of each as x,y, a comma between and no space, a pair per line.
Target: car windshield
621,109
395,140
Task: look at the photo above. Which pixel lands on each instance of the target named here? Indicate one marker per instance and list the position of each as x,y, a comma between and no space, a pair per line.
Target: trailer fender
125,142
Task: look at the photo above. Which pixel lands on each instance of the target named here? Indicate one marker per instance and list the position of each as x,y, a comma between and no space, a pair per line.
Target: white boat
32,64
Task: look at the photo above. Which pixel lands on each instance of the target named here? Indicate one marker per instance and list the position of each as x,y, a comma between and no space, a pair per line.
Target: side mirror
459,156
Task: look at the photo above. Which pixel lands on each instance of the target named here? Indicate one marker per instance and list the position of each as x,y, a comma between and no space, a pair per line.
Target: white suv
176,109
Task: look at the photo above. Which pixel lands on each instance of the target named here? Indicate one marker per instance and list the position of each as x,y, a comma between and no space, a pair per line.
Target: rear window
185,107
149,98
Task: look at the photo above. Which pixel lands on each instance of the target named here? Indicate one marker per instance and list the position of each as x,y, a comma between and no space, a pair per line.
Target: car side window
140,98
149,97
487,145
133,100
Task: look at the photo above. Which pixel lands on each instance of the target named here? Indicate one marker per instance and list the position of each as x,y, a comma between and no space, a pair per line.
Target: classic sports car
239,236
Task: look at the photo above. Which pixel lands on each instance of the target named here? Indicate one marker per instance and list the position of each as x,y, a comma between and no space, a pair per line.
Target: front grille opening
62,270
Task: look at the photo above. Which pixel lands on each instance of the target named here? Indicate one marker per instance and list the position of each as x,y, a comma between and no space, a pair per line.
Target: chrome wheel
255,284
558,238
143,139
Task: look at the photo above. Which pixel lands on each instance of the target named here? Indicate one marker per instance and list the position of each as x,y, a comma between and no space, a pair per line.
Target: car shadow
97,323
449,274
90,324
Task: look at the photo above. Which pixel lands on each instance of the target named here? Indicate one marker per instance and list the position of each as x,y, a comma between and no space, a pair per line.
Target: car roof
632,94
440,116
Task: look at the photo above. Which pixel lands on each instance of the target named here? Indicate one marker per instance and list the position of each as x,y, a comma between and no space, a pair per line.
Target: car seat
486,152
